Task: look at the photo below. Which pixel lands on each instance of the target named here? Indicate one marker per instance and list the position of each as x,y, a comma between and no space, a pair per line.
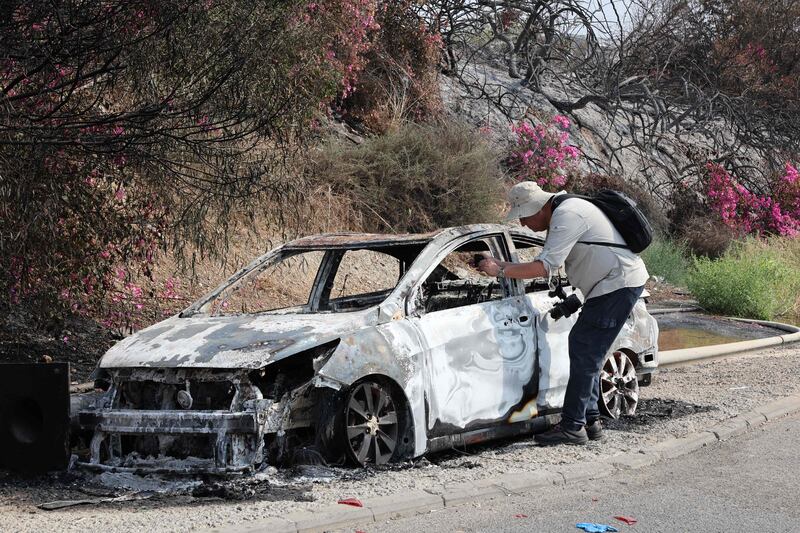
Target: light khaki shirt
595,270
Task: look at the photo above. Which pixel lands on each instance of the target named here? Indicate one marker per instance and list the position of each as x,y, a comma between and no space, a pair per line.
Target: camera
567,305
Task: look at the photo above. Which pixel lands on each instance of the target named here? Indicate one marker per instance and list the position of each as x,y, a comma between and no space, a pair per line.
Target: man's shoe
594,430
559,435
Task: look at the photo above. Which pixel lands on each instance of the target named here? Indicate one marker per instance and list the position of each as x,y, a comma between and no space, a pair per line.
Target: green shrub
669,260
415,178
753,279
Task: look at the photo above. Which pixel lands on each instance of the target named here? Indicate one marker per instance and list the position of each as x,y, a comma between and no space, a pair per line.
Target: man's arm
534,269
566,227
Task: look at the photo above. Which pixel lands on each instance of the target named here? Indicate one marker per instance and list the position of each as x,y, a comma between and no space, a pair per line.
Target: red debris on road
626,519
355,502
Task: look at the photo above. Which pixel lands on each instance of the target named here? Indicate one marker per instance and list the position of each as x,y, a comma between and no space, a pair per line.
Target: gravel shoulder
680,401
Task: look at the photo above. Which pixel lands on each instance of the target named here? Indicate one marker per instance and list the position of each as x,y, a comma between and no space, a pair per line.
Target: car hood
240,341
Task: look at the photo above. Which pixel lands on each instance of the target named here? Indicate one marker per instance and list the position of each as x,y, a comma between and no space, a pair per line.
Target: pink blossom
561,121
791,174
747,212
526,156
542,153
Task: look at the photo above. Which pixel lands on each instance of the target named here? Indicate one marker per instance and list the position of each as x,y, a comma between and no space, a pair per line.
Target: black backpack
623,214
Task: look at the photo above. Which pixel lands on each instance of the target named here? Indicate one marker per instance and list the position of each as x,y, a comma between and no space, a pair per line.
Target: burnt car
359,347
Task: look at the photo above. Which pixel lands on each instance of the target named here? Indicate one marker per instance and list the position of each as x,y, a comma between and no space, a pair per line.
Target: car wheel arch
334,419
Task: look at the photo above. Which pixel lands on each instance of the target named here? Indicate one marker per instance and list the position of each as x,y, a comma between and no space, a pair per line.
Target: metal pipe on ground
684,355
667,310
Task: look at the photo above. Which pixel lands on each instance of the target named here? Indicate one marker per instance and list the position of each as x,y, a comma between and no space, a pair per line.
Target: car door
477,340
552,336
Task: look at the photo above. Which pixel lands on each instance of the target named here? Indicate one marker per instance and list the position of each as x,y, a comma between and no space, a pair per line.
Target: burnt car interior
455,282
527,250
361,278
355,276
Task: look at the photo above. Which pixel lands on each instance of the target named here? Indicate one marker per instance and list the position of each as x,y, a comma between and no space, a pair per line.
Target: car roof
348,240
353,240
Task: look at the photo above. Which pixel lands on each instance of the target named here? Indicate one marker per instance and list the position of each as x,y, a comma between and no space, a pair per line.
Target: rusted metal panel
170,422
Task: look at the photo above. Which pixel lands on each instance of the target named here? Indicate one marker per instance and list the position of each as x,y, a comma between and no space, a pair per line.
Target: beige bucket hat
526,199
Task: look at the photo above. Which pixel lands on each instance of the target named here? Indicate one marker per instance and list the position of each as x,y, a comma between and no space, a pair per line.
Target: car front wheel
372,421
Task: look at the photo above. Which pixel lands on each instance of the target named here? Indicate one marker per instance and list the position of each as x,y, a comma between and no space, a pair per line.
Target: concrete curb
419,502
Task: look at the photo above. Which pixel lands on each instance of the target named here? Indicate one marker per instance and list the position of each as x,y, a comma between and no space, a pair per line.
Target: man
611,280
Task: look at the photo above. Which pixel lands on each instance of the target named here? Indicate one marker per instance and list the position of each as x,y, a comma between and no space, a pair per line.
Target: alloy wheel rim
619,387
372,424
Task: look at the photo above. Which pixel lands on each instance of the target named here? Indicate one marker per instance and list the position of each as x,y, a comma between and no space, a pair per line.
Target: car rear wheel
372,423
619,388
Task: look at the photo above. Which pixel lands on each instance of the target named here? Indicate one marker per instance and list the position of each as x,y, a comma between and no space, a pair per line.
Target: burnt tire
619,386
372,423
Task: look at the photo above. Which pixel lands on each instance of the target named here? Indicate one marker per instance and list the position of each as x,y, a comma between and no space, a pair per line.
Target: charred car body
370,348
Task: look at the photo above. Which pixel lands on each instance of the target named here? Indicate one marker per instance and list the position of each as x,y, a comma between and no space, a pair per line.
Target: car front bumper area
179,441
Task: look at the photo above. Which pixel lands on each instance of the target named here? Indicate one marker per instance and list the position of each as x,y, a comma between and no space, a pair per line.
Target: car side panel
640,335
392,350
479,361
552,344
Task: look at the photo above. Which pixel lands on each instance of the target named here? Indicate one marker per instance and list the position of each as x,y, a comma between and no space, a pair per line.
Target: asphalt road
750,483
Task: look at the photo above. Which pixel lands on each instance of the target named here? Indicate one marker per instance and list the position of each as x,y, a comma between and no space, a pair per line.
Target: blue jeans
599,323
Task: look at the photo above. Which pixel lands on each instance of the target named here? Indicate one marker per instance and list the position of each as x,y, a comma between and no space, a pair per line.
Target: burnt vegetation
684,81
133,129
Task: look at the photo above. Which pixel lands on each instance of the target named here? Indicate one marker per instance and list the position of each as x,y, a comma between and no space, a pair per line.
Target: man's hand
489,266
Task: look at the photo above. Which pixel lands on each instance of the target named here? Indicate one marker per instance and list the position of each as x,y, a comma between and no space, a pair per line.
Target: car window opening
527,251
318,280
455,282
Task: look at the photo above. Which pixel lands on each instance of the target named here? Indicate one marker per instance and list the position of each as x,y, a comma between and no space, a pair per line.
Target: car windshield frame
406,248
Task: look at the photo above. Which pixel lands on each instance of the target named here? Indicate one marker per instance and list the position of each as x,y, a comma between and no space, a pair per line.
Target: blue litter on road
595,528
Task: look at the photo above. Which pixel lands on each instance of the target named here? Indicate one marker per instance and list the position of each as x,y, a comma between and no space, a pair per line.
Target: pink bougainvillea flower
561,121
542,153
747,212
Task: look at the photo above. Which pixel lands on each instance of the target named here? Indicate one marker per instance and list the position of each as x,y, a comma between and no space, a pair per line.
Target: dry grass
706,236
197,272
417,177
